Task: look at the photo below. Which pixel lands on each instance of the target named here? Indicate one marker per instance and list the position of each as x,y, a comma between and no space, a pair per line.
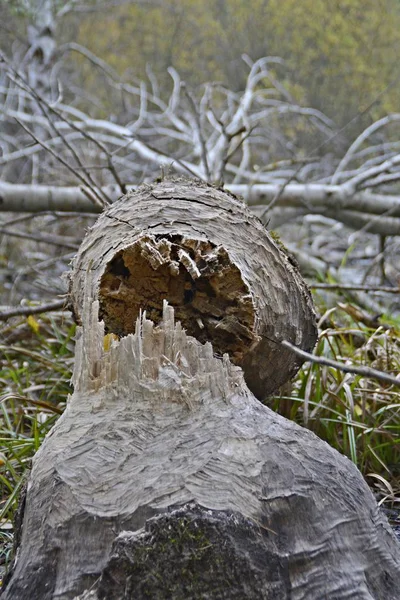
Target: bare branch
354,369
42,102
146,152
369,174
76,6
95,194
202,142
363,210
31,310
360,288
95,60
54,240
360,140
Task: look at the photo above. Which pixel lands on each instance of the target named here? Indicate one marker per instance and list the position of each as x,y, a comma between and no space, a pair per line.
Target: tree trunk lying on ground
376,213
166,477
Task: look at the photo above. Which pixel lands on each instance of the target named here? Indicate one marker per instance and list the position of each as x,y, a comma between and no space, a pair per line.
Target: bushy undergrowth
360,417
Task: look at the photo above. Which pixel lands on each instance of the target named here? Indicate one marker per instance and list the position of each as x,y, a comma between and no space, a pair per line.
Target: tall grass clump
358,416
36,356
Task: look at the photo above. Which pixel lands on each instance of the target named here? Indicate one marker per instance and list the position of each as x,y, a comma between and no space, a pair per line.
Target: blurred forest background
339,57
292,104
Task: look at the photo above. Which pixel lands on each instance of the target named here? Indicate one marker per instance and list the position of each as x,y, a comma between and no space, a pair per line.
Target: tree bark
166,477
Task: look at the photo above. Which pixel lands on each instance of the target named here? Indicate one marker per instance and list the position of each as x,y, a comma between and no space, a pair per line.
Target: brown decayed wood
206,290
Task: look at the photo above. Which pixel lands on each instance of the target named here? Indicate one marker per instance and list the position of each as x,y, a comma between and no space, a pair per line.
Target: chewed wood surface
166,477
270,290
157,421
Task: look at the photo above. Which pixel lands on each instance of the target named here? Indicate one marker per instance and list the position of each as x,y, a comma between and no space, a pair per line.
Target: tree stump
166,477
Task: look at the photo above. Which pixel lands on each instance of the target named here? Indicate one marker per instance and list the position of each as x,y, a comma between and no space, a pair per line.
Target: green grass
35,369
360,417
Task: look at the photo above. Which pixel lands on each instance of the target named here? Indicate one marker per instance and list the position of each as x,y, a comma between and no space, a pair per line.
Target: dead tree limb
376,213
166,477
30,310
355,369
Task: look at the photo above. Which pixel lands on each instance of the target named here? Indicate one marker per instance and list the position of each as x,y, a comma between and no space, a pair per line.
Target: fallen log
375,213
228,281
166,477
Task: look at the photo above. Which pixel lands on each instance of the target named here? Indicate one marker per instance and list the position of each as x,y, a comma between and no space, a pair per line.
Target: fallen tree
166,477
243,140
375,213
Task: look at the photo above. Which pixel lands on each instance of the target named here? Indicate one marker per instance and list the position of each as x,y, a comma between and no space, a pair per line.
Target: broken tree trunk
228,281
166,478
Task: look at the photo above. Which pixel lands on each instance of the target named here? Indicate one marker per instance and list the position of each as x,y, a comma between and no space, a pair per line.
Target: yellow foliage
108,339
340,55
344,53
33,324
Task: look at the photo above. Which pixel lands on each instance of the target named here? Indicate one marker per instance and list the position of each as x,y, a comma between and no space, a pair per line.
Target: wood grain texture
165,477
156,422
280,300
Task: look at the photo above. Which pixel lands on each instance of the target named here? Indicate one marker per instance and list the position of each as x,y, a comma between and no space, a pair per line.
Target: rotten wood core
206,289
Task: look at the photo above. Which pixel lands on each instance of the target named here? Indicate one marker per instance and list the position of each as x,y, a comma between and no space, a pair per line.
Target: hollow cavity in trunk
196,277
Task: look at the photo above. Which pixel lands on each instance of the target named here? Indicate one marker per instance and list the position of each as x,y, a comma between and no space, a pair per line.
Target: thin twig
90,181
98,62
55,240
356,370
172,159
23,218
43,103
90,138
247,134
359,288
39,403
88,192
31,310
35,356
228,155
99,199
277,196
203,146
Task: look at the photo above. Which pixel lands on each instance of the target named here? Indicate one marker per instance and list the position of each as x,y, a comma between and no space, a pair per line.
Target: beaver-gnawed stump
166,478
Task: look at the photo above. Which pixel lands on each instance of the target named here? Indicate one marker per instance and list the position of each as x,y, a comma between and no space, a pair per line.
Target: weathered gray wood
166,477
156,421
247,297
